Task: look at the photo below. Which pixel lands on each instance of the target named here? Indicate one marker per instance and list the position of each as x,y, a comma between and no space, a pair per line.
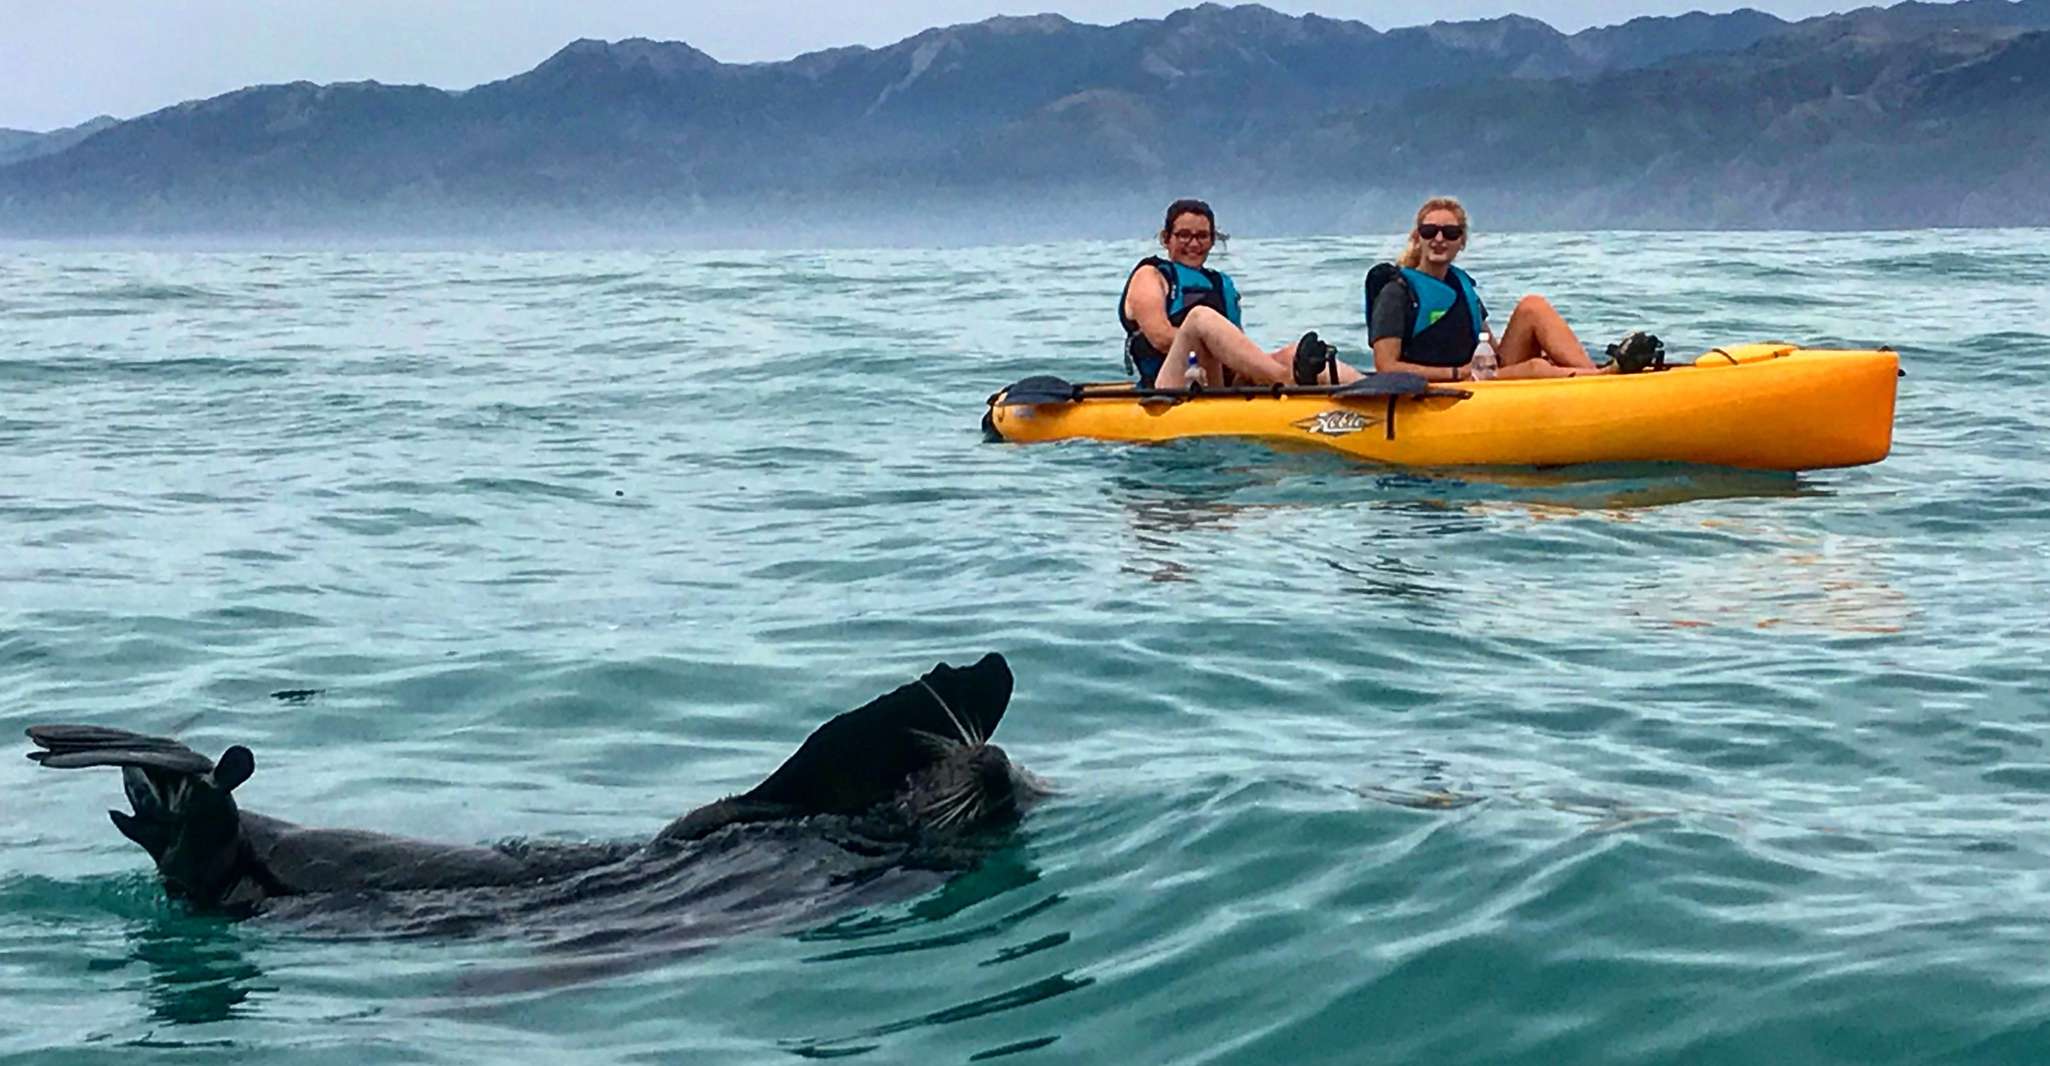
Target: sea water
1355,764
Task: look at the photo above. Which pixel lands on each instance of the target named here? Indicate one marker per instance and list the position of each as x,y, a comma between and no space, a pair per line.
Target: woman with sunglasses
1424,316
1177,312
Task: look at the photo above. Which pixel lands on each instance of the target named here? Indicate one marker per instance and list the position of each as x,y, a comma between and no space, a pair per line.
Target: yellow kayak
1761,406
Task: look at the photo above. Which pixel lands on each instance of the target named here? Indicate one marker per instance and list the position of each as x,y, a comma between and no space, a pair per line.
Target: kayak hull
1767,407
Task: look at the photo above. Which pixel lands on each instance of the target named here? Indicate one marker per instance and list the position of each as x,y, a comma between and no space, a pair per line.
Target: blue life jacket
1444,320
1187,288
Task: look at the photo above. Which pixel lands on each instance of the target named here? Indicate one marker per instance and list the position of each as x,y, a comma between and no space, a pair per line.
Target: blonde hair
1413,253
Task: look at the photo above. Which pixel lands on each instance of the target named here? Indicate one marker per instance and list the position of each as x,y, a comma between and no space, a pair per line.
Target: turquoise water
1355,765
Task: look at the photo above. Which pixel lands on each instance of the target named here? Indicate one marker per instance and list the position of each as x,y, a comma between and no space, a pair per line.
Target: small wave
1024,995
1951,267
28,370
392,521
145,292
133,896
515,486
655,288
543,281
59,313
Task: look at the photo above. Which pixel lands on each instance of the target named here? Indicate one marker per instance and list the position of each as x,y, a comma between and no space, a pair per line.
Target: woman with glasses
1176,311
1424,316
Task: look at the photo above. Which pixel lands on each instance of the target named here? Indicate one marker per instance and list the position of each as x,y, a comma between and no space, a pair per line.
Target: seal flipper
184,815
861,757
213,853
153,837
71,747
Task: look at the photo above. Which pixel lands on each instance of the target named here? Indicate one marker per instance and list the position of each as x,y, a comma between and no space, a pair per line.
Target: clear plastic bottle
1483,365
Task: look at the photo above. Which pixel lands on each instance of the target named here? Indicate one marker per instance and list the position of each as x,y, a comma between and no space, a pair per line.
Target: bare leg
1285,356
1539,344
1217,343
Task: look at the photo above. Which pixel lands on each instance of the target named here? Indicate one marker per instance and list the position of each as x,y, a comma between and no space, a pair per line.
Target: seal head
920,754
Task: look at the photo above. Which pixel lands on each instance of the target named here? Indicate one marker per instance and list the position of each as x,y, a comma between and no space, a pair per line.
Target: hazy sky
64,61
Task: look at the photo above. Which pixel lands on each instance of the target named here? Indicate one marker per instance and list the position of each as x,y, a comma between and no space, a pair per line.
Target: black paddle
1046,389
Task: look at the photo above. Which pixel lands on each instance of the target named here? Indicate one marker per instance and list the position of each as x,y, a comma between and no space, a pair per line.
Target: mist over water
992,223
1615,764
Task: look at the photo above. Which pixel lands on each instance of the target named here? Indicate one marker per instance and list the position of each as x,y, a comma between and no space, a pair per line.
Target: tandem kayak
1757,406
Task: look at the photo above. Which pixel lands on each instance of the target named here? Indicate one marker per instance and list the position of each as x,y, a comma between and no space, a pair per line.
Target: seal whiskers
968,736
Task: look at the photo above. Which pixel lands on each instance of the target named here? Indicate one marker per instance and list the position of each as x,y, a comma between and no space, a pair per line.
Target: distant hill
17,145
1919,114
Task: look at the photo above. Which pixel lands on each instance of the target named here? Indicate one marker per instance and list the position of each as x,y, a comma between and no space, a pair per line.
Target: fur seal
911,768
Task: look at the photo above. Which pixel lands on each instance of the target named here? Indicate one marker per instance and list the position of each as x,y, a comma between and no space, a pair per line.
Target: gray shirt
1391,311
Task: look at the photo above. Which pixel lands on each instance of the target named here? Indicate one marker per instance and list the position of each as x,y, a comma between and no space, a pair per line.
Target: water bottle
1483,365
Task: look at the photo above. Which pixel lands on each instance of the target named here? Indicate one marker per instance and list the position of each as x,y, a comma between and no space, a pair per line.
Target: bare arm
1388,360
1146,303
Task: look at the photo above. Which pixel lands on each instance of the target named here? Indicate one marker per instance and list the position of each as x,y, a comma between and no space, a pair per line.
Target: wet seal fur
900,777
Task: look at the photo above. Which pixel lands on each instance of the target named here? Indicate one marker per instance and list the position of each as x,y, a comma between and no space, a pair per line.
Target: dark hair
1190,206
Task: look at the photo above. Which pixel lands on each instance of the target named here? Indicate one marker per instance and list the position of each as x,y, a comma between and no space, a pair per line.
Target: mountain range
1907,116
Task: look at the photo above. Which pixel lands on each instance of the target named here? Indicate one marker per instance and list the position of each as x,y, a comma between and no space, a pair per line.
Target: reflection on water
1631,486
1839,585
1183,488
994,927
1002,873
1156,520
197,971
1024,995
1178,494
1386,576
1426,799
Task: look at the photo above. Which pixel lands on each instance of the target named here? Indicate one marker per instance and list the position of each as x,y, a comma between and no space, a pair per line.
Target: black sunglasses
1430,230
1192,235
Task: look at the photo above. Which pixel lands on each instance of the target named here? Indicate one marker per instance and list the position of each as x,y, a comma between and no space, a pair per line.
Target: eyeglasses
1430,231
1192,235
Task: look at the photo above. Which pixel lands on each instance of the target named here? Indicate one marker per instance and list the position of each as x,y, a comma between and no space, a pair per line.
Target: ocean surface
1355,765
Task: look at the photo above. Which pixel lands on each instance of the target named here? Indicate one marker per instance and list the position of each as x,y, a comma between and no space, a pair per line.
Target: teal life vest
1187,288
1444,320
